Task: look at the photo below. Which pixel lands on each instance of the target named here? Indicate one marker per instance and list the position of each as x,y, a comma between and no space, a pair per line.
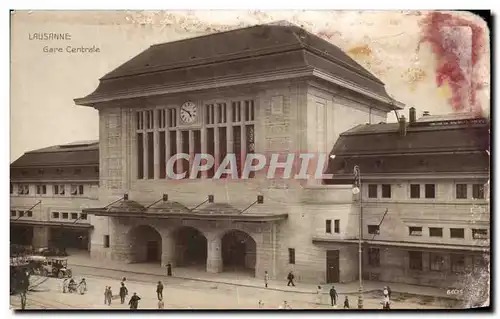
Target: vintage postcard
323,160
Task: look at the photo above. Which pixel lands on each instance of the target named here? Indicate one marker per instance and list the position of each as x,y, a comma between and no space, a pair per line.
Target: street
190,294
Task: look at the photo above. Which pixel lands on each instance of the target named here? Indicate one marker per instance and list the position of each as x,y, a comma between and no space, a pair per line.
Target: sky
43,84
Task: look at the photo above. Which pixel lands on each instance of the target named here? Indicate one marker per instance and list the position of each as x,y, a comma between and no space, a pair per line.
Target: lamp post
357,190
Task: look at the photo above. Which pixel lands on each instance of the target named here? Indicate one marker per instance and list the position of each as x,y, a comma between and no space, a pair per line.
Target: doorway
332,266
153,251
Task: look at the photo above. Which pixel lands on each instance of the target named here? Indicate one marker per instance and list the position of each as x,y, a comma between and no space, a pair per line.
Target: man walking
266,278
346,303
106,295
123,292
109,296
290,278
159,290
333,296
134,301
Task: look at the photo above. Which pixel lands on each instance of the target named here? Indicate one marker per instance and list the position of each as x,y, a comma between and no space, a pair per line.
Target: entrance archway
21,235
190,248
145,242
239,252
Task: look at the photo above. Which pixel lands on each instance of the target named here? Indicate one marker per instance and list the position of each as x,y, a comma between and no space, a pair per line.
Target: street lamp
356,189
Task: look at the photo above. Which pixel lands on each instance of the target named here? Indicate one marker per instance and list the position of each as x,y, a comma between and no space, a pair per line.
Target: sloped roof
76,153
126,206
429,148
218,208
246,51
169,207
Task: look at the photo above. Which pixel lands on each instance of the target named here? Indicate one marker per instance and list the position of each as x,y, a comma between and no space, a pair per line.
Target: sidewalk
247,281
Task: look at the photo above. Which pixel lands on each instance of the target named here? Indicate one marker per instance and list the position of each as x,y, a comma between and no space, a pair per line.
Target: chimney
426,113
402,125
413,115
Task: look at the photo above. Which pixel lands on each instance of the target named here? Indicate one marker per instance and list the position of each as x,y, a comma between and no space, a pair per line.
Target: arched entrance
190,248
239,252
145,242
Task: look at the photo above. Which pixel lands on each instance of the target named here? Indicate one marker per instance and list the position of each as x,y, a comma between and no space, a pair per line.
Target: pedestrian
106,295
110,296
346,303
83,286
134,301
389,292
266,278
123,292
318,297
169,270
285,305
65,285
333,296
159,290
161,304
290,278
261,304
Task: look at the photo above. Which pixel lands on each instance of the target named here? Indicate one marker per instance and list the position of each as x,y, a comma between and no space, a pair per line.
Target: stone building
265,89
49,188
425,190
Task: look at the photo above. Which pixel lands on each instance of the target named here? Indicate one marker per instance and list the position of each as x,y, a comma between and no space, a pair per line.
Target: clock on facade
188,112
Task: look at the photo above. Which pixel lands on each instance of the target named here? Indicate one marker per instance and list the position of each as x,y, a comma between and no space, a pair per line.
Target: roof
76,153
427,147
247,51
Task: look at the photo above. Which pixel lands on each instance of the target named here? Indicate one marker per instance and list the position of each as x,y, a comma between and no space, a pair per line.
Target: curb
222,282
259,287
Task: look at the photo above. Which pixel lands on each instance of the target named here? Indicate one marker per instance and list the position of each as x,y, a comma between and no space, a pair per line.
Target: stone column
40,236
214,254
168,249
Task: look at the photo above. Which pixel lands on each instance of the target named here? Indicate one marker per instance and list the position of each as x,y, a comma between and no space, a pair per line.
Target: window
74,216
65,215
291,255
55,214
430,191
435,232
106,241
337,226
461,191
372,191
328,226
83,216
415,231
151,155
374,257
415,191
21,213
140,157
478,191
59,190
480,234
436,262
373,229
386,191
29,213
11,188
456,232
41,189
415,260
76,190
13,213
23,189
457,262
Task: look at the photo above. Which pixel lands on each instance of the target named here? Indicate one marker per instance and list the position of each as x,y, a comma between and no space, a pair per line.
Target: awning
397,244
51,224
193,215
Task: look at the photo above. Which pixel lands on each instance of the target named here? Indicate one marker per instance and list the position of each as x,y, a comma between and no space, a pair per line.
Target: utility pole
358,191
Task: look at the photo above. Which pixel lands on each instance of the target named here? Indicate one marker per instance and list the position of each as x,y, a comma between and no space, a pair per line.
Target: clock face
188,112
